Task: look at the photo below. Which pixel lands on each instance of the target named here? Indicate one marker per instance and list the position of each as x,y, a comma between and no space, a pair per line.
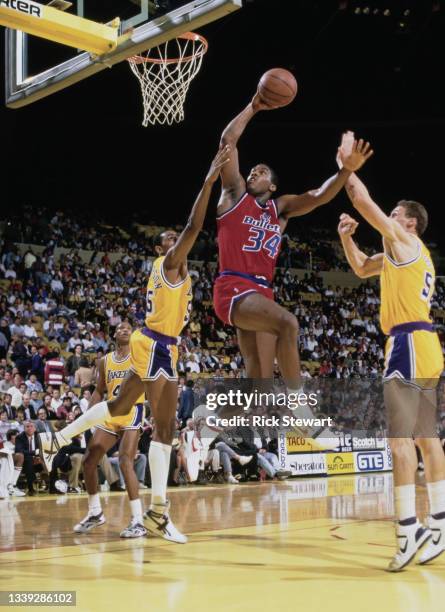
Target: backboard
36,67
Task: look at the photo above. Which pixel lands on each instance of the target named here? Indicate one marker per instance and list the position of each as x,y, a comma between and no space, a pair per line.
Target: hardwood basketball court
305,544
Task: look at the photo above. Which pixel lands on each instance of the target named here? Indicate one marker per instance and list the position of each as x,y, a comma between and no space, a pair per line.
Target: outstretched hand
352,154
221,158
259,104
347,225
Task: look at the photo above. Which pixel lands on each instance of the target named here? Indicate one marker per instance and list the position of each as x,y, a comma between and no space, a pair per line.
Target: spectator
85,401
26,446
65,408
83,376
4,344
20,420
73,362
8,407
29,330
35,402
37,365
27,407
12,463
17,394
54,371
33,384
6,383
56,400
42,424
87,343
5,424
16,328
186,403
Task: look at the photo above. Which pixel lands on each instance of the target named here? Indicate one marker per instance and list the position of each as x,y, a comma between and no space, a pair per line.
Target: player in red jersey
250,222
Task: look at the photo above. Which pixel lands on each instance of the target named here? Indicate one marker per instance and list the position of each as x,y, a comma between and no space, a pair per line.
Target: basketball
278,87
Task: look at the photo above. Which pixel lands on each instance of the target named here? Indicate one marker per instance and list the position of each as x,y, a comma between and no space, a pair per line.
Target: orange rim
140,59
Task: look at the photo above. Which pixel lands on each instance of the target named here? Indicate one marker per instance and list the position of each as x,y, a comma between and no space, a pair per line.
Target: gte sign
370,462
23,6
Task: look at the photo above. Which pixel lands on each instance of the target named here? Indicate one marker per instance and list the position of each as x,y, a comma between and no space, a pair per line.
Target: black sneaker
116,486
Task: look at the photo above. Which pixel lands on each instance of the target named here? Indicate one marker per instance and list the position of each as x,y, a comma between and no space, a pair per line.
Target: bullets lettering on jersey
263,222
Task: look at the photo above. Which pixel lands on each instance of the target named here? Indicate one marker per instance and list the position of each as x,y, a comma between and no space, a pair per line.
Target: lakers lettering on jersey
153,349
413,351
115,372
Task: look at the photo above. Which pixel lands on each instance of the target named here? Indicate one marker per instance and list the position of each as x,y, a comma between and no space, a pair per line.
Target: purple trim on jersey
255,279
399,360
138,417
233,207
161,362
157,337
235,299
262,207
408,328
404,263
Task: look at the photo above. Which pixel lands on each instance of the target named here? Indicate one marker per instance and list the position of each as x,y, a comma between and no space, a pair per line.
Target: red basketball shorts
227,290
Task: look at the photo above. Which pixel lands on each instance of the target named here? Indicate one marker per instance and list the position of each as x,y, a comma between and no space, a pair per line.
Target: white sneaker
134,530
15,492
244,460
159,524
232,480
61,486
410,539
436,545
49,446
89,522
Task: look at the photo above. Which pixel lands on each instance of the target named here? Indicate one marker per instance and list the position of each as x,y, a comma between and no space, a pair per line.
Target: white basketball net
165,81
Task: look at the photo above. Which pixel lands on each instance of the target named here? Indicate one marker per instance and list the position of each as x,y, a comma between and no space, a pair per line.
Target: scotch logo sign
29,8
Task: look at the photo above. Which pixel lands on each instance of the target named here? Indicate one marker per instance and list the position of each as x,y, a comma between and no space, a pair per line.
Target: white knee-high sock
96,415
94,506
405,502
159,461
15,477
436,495
136,509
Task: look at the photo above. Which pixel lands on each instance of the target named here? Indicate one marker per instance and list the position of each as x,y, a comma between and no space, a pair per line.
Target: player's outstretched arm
359,195
297,205
177,255
233,184
362,265
101,387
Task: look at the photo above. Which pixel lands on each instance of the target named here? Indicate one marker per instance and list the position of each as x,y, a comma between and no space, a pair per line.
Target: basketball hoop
165,80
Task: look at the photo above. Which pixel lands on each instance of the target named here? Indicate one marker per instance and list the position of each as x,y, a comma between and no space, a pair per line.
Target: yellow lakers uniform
154,350
413,350
115,371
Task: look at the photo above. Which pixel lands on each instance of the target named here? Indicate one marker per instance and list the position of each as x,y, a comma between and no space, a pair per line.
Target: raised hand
259,104
352,154
221,158
347,225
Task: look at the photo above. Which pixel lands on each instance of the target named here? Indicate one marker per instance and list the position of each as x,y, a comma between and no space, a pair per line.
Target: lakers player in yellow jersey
112,370
153,358
413,360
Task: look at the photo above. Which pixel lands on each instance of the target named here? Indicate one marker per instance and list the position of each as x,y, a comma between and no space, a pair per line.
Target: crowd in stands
40,226
58,313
